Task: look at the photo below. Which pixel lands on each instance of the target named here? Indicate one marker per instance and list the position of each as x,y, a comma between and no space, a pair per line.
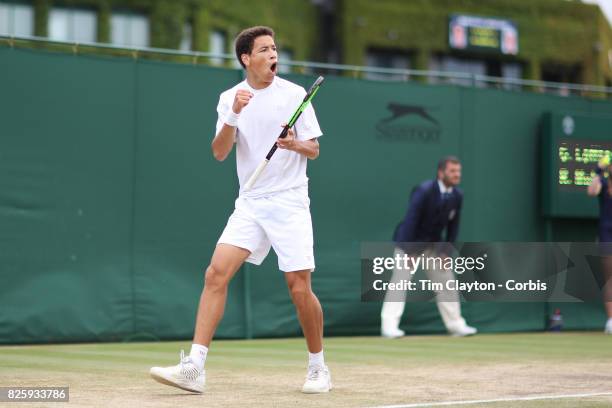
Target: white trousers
449,308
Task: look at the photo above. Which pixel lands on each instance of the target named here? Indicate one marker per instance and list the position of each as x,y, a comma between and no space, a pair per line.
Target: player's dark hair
445,160
245,40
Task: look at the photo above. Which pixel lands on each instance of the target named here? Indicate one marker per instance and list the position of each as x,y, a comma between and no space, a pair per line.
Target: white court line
532,398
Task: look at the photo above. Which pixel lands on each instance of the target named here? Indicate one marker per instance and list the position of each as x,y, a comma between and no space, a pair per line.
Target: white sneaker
184,375
463,331
389,328
608,329
392,332
318,380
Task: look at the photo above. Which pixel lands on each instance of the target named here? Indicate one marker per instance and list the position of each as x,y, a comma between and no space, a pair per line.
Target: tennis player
274,213
601,187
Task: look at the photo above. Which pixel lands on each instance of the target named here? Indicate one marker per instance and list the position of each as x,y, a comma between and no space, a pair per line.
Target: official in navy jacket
434,207
433,216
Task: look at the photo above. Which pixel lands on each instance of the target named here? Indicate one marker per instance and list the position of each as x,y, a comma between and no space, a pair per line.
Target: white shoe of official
391,332
184,375
390,329
608,329
318,380
463,331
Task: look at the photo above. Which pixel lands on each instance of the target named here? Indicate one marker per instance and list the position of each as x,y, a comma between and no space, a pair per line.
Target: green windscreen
111,202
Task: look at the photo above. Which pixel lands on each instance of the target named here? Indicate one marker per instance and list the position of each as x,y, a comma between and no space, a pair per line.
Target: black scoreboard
572,144
482,34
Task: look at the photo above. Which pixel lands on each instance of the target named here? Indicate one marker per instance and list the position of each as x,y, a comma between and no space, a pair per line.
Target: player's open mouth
273,67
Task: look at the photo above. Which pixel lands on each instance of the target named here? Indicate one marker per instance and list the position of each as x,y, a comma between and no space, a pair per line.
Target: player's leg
607,290
287,222
310,315
242,239
189,374
608,328
225,262
286,219
308,308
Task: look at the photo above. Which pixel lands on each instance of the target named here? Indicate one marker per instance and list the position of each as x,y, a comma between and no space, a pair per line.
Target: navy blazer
428,215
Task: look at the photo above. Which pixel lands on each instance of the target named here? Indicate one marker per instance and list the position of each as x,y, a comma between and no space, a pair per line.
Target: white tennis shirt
258,128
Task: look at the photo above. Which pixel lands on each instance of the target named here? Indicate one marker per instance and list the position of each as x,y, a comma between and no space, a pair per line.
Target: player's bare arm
224,141
595,187
309,148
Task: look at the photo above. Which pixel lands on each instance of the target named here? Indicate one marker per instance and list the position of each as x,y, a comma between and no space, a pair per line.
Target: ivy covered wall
551,32
294,21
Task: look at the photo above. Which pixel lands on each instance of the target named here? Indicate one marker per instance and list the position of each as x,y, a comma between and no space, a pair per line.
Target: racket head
314,88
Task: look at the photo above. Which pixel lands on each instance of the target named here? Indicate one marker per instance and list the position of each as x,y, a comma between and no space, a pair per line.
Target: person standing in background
435,205
601,187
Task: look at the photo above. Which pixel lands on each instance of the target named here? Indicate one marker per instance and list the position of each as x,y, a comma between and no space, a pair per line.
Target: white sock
316,359
198,355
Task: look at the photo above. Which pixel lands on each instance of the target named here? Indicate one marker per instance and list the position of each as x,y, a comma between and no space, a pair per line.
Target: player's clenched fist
241,100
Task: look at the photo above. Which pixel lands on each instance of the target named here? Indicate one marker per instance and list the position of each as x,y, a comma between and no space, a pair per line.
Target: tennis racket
309,95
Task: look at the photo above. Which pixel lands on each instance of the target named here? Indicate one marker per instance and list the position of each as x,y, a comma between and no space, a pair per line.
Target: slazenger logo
409,123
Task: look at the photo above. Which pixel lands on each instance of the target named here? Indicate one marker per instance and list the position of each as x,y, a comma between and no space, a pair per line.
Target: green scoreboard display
572,144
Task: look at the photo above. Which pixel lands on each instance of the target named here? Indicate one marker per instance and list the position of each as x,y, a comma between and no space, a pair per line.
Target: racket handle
256,174
284,132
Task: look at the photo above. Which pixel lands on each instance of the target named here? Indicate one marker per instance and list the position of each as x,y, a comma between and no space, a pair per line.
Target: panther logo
409,123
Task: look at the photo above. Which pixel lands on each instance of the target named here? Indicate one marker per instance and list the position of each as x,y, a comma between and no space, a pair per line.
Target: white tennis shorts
280,220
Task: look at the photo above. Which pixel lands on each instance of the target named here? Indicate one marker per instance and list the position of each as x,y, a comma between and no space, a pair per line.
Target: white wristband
232,118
